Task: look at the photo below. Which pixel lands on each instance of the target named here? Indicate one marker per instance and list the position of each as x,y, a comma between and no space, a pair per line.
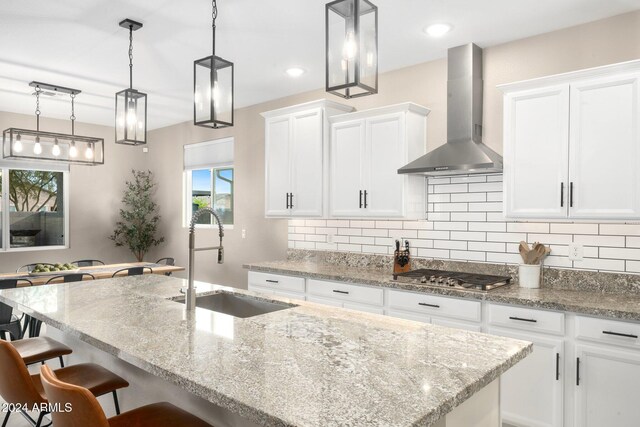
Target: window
33,207
209,181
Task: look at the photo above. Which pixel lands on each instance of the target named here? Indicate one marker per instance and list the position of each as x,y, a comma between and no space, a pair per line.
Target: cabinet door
607,391
347,155
604,165
307,156
531,392
385,154
277,172
536,138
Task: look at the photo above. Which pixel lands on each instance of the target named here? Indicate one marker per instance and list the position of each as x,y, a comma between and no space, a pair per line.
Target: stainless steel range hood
464,152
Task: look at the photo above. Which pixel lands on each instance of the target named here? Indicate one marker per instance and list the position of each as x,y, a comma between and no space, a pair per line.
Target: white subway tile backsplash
449,225
575,228
467,216
449,244
488,226
620,229
465,222
469,197
527,227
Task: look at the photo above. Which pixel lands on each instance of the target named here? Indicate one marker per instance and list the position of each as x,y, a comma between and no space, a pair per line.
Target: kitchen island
306,365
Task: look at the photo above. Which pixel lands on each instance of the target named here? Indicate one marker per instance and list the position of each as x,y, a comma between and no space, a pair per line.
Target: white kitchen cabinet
296,151
277,284
367,149
572,145
606,389
532,391
536,149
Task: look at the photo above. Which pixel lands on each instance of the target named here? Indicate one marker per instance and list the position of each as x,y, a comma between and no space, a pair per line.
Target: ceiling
78,43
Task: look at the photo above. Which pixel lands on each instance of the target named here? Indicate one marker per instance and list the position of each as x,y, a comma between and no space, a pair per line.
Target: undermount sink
238,305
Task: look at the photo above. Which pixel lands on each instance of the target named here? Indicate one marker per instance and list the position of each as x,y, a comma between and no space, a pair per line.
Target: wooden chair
18,387
27,268
166,261
73,277
87,262
87,410
8,321
132,271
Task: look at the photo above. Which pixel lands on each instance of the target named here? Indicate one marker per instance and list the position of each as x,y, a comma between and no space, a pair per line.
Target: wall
598,43
95,193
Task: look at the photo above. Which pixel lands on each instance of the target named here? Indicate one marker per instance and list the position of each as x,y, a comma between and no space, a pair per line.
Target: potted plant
138,225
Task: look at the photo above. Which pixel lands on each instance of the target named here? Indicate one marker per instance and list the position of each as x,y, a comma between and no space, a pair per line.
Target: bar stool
18,387
40,349
166,261
87,410
8,321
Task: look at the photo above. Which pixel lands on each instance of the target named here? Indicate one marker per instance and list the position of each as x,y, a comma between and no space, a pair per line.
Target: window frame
187,209
5,167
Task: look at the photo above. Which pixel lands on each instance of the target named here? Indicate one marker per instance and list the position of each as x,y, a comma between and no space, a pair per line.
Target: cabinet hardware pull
287,201
272,281
429,305
365,199
360,199
291,201
571,194
522,319
557,366
577,371
340,292
562,194
618,334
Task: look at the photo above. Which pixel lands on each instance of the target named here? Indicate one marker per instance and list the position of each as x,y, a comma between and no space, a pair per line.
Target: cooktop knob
432,278
423,279
440,279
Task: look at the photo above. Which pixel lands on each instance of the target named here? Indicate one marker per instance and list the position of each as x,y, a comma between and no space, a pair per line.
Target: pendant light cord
38,90
214,15
130,56
73,114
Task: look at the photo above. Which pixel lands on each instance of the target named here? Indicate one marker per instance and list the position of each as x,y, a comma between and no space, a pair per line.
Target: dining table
32,326
97,271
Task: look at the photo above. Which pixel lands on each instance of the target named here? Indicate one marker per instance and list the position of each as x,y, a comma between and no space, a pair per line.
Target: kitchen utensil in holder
529,275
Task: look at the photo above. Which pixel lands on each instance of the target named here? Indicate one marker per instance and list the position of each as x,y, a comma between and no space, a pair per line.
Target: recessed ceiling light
438,30
295,71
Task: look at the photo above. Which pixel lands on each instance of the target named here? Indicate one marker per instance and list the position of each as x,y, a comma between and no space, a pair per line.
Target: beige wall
95,193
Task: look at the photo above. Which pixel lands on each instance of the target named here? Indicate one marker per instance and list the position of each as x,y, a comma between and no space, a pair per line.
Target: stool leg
115,402
6,419
61,362
40,418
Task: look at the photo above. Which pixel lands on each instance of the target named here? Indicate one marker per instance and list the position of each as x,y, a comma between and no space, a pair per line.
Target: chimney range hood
464,152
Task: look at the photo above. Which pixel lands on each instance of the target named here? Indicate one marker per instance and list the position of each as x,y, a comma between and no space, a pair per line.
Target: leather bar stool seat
88,412
40,349
95,378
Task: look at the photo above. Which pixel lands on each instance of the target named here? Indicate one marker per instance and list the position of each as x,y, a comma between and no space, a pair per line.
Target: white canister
529,276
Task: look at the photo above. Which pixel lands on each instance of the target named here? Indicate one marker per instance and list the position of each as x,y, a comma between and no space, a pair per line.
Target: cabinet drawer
346,292
608,331
435,305
276,281
549,322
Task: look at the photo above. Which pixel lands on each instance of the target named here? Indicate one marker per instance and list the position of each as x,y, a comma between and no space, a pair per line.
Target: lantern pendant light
131,104
213,87
351,37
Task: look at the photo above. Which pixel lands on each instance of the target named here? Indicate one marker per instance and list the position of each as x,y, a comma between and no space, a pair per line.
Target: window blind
209,154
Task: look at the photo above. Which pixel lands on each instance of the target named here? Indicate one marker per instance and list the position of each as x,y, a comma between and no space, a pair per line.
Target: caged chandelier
213,87
50,147
131,104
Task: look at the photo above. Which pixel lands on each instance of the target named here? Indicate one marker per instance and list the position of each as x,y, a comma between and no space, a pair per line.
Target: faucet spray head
220,255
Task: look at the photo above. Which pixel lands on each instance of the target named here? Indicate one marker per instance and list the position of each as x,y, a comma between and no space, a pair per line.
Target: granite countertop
310,365
612,305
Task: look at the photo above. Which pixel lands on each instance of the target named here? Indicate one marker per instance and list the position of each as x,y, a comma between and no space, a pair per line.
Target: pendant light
213,87
131,104
351,37
50,146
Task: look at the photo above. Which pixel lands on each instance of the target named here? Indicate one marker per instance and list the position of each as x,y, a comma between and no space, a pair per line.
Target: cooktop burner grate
456,279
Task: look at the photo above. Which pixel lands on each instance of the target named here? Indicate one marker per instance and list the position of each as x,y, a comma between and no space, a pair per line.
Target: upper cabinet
367,148
296,158
572,145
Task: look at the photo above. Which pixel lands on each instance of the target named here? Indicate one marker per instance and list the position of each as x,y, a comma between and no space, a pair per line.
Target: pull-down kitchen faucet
190,299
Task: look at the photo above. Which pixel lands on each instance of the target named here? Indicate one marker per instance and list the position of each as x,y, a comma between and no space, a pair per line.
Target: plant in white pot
532,257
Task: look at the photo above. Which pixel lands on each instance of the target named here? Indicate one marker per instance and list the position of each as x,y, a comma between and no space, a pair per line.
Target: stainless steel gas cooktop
457,280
